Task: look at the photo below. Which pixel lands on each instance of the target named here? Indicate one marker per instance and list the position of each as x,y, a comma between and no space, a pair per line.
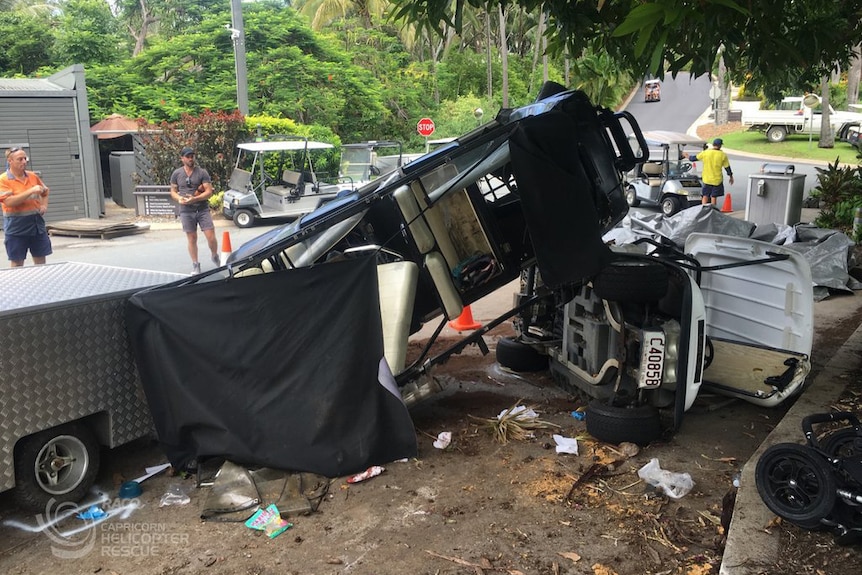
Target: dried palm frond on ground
517,422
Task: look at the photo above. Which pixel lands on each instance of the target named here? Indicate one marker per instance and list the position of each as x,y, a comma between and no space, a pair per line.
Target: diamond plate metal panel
66,355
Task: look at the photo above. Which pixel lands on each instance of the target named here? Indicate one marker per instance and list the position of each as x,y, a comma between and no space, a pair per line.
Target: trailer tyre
776,134
518,356
243,219
612,424
631,281
59,464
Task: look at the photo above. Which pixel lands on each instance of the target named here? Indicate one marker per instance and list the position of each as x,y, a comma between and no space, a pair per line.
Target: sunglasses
15,149
188,181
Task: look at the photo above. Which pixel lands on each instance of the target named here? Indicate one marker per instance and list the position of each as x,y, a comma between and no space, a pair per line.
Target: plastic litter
579,415
175,495
444,438
269,521
675,485
521,412
566,444
92,512
130,490
372,471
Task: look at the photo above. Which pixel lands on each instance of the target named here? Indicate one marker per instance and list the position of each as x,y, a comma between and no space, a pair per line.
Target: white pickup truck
791,116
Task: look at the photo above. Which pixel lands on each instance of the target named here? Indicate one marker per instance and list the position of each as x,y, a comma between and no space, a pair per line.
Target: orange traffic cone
465,321
727,207
226,249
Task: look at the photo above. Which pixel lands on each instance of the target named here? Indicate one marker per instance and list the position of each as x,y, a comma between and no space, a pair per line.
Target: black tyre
611,424
243,219
670,205
632,197
796,483
517,356
776,134
631,281
59,464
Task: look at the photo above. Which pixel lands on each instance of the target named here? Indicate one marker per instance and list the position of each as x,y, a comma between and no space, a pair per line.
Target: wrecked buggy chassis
535,189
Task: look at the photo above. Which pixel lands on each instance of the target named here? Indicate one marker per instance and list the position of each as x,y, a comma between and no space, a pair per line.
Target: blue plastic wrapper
93,512
579,415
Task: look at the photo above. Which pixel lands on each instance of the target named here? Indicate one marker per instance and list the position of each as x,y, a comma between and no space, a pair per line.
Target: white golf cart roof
665,138
283,146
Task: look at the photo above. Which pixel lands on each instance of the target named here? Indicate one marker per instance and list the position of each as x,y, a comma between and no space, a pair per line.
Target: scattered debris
372,471
176,494
269,521
516,422
444,438
674,485
566,444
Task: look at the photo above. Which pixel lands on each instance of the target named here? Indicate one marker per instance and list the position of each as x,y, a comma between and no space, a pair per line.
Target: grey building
50,119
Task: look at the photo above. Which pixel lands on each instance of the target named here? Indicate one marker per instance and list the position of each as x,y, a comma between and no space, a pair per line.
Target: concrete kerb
750,547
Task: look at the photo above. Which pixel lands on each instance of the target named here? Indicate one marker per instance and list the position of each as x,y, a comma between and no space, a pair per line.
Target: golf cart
652,91
256,193
361,163
668,179
530,195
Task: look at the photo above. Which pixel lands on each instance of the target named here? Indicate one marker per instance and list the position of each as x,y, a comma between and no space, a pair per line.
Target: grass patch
795,146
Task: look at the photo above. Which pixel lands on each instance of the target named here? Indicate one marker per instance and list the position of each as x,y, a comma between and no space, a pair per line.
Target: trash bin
774,195
122,166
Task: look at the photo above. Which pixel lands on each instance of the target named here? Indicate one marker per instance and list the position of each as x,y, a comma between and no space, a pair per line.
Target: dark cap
715,142
187,151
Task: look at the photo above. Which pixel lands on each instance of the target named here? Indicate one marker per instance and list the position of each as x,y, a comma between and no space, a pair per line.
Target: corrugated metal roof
15,86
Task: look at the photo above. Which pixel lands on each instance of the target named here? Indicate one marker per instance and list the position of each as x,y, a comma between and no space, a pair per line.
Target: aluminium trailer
68,380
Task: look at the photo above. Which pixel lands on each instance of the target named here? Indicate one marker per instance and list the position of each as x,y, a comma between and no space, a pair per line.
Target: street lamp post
237,35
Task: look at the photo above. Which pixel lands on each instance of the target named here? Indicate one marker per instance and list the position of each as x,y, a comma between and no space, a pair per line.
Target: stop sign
425,127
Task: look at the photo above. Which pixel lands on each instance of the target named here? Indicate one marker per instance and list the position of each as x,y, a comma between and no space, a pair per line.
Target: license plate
652,360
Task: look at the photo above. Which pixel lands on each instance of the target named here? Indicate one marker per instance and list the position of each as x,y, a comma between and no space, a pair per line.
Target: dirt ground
478,506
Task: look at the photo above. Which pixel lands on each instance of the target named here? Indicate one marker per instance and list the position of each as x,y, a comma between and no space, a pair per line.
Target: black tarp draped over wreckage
282,370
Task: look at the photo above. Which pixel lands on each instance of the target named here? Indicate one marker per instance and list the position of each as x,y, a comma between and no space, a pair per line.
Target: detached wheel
517,356
776,134
611,424
631,281
632,197
796,483
59,464
670,205
243,219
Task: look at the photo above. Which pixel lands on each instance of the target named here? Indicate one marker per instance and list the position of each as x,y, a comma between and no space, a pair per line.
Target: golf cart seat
240,180
294,182
653,172
433,244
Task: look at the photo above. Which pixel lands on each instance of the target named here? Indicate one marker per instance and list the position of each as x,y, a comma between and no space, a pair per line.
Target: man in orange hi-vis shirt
25,199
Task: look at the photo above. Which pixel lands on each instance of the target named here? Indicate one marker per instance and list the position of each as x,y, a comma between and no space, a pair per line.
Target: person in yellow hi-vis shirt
713,160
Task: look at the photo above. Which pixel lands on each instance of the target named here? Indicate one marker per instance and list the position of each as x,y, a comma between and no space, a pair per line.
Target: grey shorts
192,219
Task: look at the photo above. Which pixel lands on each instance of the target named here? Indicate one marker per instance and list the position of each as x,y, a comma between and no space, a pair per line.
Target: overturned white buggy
529,195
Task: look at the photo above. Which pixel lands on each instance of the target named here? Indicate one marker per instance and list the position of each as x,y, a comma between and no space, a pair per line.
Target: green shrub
840,193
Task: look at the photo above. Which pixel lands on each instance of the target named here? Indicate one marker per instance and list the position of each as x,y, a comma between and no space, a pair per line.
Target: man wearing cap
714,159
191,188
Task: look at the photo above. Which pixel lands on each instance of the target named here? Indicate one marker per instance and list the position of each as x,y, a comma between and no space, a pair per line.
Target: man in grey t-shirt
191,188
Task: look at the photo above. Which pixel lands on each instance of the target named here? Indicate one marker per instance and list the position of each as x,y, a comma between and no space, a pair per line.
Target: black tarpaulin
282,370
558,197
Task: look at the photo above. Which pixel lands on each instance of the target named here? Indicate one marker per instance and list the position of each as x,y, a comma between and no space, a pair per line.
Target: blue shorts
193,218
710,191
17,246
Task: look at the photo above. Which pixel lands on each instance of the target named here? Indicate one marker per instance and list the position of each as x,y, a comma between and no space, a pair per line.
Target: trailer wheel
243,219
796,483
631,281
59,464
776,133
670,205
842,443
612,424
518,356
632,197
